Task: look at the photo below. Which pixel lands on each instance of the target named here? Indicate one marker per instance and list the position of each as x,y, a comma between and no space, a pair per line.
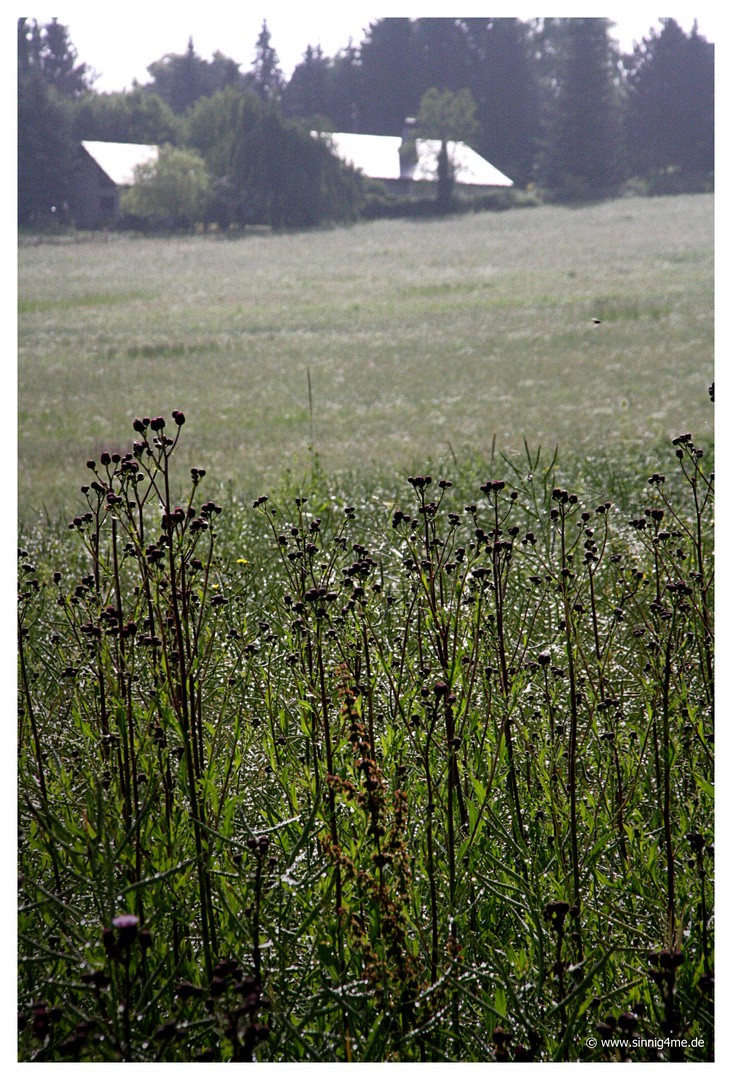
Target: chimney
408,149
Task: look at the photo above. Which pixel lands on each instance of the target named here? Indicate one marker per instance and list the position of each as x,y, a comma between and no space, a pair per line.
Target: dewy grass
403,771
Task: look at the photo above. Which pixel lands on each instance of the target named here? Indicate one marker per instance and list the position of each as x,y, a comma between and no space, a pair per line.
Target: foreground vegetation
347,777
420,339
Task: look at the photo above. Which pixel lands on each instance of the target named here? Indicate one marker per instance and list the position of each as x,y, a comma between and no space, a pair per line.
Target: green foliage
135,116
670,115
47,50
581,157
276,173
183,79
218,122
447,116
45,152
49,78
314,781
172,190
505,85
266,77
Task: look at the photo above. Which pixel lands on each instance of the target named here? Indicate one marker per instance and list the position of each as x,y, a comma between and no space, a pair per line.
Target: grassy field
421,339
373,767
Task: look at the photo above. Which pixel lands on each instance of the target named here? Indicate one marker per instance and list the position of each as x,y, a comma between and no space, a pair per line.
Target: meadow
421,339
379,730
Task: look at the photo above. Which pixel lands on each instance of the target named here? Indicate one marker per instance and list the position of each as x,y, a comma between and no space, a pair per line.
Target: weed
316,781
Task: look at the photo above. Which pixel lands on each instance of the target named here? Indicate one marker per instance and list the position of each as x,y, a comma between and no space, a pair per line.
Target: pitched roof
118,160
377,156
470,168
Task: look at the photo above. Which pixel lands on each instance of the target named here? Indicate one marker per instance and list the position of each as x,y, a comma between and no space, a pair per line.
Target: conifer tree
266,76
670,116
581,156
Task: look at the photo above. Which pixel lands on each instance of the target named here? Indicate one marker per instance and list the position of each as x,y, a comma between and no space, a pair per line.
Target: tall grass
368,779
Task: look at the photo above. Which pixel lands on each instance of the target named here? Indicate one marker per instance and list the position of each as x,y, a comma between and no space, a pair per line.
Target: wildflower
127,927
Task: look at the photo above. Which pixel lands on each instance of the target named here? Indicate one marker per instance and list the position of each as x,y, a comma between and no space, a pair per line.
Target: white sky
119,41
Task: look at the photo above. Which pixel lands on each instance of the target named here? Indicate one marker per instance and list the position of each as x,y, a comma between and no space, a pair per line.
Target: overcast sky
119,41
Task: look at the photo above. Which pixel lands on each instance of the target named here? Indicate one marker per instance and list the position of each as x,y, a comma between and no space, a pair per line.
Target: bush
172,192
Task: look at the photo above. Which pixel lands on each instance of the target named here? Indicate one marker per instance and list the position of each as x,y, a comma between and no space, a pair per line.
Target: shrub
173,191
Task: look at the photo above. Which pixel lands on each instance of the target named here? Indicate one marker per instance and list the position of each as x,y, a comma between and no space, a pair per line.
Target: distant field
421,339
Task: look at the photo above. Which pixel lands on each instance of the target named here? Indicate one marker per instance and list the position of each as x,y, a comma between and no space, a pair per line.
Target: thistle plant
420,777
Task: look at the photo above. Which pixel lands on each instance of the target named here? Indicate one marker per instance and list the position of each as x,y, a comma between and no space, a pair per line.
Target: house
103,171
405,164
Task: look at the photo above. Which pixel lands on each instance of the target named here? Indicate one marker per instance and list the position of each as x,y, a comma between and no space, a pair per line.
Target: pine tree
581,156
670,115
189,80
307,94
441,54
504,85
266,77
389,91
346,94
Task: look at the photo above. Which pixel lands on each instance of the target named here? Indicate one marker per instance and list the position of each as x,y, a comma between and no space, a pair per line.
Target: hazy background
121,48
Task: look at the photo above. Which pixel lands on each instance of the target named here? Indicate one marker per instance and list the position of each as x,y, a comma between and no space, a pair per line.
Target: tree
45,151
440,54
48,50
49,78
670,114
345,109
172,191
284,177
265,77
389,91
308,92
581,155
216,123
223,72
180,79
502,79
450,118
134,115
447,115
268,170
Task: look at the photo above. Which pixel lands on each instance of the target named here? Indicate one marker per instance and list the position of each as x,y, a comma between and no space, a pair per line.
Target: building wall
95,198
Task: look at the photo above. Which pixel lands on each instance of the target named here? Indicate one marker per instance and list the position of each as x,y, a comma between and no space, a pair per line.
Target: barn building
104,170
407,165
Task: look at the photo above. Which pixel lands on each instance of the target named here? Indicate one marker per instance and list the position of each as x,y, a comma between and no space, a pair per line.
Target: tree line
552,102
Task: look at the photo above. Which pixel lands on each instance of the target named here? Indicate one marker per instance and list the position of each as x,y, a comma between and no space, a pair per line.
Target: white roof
119,159
377,156
470,168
